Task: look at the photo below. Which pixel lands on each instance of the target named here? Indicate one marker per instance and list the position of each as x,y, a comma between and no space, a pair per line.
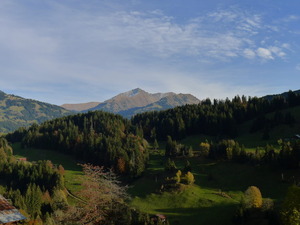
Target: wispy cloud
222,35
218,35
116,48
291,18
264,53
249,53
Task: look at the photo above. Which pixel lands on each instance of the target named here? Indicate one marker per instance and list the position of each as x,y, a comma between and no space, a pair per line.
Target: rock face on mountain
16,111
137,100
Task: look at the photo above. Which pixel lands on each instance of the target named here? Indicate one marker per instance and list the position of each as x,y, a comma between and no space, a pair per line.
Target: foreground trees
34,188
290,213
103,202
101,195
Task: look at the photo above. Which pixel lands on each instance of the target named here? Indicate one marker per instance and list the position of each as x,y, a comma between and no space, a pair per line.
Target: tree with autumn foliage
255,210
102,201
101,193
253,198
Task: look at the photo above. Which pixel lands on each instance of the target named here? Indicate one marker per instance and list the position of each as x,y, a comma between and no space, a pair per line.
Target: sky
74,51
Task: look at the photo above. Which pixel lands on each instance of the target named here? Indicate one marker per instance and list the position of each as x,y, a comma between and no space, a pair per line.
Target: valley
199,203
228,149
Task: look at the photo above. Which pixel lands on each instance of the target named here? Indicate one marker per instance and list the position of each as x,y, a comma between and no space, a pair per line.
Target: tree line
288,156
216,118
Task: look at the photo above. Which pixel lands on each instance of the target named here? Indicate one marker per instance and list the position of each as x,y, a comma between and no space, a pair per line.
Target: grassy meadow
202,202
73,171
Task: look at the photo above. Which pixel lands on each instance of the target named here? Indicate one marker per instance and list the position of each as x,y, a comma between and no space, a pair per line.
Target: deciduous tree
253,197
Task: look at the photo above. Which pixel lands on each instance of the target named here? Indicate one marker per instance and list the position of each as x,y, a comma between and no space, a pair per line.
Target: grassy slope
199,204
73,172
16,111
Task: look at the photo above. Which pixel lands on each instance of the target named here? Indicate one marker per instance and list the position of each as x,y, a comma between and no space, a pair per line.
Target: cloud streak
67,49
220,35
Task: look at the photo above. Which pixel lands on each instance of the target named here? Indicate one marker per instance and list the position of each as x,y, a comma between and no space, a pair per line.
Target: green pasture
202,203
73,171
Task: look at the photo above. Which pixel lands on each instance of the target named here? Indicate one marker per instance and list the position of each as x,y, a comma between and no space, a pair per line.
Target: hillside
164,103
284,95
96,137
16,111
136,101
80,106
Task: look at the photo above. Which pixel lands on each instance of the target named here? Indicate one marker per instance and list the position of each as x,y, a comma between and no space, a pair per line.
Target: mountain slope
164,103
80,106
16,111
131,99
137,100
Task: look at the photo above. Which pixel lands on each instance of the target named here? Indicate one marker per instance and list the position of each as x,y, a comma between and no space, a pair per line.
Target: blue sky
76,51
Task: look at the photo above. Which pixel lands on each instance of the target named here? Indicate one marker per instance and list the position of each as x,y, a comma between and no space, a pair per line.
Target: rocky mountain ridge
137,100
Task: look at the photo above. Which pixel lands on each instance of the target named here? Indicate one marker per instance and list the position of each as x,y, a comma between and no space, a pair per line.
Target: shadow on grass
34,154
144,186
234,177
213,215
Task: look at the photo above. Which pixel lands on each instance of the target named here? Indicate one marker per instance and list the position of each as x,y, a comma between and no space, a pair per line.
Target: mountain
80,106
16,111
164,103
137,100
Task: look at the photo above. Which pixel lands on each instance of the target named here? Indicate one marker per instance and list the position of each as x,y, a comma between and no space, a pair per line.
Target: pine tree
33,200
155,144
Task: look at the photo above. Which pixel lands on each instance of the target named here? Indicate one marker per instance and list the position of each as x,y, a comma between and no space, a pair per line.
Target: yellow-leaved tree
253,197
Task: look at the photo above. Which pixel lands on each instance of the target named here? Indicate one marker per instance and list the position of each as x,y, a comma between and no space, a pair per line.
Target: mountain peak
133,92
138,100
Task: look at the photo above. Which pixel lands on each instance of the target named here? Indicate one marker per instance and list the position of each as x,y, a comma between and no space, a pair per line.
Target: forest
216,118
95,137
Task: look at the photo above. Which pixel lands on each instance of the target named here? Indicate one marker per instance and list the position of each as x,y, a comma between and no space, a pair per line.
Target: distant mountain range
136,101
16,111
